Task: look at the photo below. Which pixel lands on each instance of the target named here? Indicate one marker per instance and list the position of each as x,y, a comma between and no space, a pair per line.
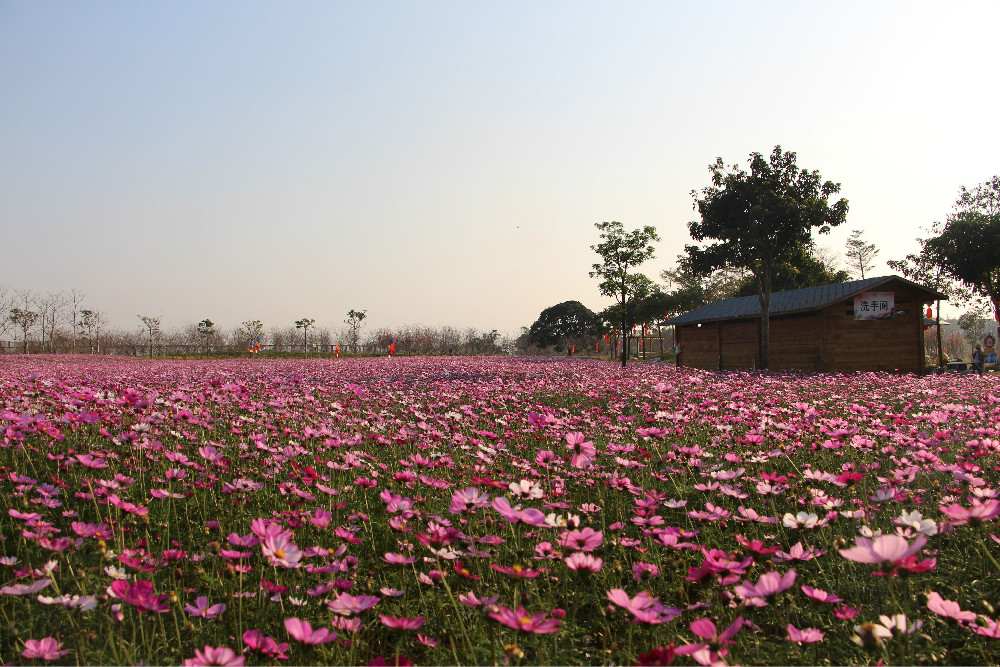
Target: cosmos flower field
493,511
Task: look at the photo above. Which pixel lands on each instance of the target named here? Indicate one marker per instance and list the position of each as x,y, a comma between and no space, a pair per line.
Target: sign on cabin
874,305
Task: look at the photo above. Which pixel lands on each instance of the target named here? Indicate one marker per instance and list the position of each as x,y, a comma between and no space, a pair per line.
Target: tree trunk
764,295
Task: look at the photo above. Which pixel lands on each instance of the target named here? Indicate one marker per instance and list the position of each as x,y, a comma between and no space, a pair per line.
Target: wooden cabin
874,324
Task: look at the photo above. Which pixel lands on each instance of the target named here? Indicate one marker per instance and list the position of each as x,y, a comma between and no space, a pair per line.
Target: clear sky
444,162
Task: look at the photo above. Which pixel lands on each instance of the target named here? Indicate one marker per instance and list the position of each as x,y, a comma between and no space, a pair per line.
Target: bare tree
206,329
152,325
6,305
305,323
75,299
91,322
23,319
861,255
48,308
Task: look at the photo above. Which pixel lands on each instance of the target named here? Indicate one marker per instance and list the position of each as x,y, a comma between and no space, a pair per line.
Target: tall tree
968,248
622,252
802,267
91,322
23,319
354,320
861,254
251,331
152,325
569,320
760,219
206,329
304,324
75,298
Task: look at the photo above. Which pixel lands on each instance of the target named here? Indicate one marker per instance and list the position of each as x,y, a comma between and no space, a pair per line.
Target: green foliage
926,268
802,269
252,329
968,248
566,320
621,253
761,220
974,326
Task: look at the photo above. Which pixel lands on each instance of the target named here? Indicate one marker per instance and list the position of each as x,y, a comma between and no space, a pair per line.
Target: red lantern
930,312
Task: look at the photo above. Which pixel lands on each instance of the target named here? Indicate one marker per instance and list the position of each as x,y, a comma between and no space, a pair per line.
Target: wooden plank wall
826,340
740,344
877,345
796,342
699,346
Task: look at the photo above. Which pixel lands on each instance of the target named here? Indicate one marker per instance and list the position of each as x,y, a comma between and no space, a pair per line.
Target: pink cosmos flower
46,648
948,609
797,552
583,450
398,559
579,560
710,651
805,635
347,604
469,498
530,516
25,589
301,631
281,551
766,588
401,622
519,619
470,599
215,656
586,539
990,628
201,609
886,550
258,641
820,595
140,595
846,612
644,607
516,571
977,513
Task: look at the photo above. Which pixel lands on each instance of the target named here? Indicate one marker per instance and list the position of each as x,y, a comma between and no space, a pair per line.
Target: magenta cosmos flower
46,648
519,619
210,655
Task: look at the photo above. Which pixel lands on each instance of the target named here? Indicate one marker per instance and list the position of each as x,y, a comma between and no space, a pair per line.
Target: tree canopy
569,320
621,252
968,248
761,220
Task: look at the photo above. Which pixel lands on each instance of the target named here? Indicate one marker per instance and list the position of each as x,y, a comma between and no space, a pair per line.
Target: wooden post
718,341
823,360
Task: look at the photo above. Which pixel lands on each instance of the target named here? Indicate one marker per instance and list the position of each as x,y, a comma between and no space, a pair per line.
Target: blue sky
444,163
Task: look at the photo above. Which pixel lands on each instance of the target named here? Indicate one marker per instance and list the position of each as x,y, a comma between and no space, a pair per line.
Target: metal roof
791,301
